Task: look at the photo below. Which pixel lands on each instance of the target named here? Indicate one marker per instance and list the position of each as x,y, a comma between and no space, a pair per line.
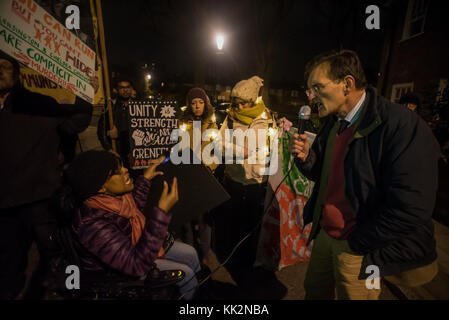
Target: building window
444,85
415,18
398,90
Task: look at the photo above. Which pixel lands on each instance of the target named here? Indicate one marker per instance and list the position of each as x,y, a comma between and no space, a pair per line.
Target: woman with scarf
114,230
198,108
245,182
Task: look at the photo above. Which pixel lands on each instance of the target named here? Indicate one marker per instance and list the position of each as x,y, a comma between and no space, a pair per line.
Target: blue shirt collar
352,116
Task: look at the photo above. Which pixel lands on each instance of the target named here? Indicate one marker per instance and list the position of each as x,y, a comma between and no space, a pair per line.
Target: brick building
416,51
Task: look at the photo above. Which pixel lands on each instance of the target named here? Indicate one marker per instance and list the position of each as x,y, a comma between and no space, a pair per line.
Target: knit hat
197,93
411,97
247,90
89,171
14,62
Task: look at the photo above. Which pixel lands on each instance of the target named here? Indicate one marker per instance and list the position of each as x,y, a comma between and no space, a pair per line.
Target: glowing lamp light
148,76
212,135
266,150
183,127
183,108
220,41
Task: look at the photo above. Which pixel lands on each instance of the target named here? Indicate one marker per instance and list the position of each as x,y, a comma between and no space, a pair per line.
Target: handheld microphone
303,115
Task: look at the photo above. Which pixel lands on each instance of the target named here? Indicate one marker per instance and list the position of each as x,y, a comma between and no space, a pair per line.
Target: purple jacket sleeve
105,239
141,191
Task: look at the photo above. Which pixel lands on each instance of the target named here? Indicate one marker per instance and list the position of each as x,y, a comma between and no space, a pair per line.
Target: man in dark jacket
30,128
120,131
375,168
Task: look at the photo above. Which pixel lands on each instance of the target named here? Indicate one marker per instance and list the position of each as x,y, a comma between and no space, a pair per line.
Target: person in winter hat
245,182
113,227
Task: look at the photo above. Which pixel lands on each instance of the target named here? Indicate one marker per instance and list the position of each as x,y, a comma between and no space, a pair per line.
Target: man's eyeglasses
316,88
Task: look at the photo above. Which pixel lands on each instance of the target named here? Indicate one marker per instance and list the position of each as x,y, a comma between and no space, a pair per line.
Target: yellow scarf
247,115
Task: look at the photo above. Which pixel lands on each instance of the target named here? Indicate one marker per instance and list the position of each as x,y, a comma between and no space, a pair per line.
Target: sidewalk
286,284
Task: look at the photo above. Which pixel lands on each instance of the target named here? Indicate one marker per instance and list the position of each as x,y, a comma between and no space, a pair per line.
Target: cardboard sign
150,126
194,181
36,39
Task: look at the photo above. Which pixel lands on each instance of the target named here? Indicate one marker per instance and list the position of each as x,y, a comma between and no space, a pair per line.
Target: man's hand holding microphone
299,146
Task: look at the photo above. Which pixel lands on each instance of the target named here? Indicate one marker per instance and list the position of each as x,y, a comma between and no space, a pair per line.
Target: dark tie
343,125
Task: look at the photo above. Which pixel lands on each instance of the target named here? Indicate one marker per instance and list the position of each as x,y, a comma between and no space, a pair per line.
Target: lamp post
219,40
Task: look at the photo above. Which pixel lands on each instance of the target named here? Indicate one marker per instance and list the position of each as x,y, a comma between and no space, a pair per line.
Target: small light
148,76
212,135
183,108
266,150
183,127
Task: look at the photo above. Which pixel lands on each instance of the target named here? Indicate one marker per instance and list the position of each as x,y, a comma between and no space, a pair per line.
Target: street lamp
219,39
148,76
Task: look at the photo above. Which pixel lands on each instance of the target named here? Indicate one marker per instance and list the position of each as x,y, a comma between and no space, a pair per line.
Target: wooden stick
105,68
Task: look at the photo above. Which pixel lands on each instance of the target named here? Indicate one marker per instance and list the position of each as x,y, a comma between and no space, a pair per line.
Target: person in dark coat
375,168
113,229
30,128
120,130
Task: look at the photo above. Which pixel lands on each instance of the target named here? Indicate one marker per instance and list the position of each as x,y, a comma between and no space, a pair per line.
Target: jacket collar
369,118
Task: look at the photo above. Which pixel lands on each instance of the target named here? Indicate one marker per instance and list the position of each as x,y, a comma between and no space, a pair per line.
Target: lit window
398,90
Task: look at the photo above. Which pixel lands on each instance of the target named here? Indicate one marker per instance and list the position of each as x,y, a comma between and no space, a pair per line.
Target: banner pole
105,68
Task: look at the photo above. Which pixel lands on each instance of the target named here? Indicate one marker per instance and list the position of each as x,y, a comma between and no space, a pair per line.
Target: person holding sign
199,109
119,130
114,226
31,125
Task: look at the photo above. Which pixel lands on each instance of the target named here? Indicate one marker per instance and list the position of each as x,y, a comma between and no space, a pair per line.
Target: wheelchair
105,285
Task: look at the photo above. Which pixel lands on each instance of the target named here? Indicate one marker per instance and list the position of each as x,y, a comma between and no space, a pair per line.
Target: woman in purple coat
114,228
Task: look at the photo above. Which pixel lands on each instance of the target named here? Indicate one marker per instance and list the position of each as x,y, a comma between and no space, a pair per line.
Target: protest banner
283,236
34,81
36,39
150,126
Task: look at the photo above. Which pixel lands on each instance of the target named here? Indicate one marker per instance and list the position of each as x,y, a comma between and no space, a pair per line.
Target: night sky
179,37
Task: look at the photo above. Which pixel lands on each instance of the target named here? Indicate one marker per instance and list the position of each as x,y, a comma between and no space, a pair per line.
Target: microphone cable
245,237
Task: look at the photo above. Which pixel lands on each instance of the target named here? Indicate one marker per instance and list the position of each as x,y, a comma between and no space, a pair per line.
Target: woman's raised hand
169,199
151,172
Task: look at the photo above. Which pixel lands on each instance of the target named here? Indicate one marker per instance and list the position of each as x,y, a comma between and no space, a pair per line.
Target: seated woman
111,226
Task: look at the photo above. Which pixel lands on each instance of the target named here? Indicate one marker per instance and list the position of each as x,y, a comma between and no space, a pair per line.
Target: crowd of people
374,164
